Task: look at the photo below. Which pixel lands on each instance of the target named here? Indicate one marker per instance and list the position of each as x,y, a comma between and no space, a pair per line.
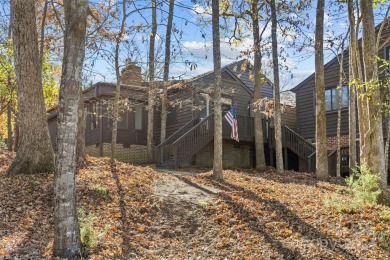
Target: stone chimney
131,74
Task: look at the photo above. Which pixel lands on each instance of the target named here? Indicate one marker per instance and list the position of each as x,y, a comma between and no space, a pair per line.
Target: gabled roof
328,64
241,70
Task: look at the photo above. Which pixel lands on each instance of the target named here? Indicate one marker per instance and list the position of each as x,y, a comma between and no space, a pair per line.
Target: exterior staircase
296,143
185,143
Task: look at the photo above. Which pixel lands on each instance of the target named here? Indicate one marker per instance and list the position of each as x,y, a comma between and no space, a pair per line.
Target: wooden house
189,124
305,104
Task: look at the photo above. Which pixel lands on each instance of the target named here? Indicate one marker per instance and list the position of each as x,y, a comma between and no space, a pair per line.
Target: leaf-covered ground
141,213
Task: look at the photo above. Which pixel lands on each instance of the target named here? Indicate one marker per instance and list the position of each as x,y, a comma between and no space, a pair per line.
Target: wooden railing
293,141
164,151
245,126
194,140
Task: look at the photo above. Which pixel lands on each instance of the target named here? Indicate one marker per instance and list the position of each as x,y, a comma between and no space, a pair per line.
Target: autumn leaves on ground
141,213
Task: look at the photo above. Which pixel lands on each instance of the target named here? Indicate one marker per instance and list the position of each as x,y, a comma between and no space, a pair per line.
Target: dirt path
182,227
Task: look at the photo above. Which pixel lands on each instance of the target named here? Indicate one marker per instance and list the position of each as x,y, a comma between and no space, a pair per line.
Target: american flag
231,118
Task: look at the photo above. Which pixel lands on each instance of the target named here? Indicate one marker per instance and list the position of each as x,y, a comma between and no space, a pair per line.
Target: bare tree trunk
352,89
9,128
35,153
115,112
16,131
258,75
387,146
321,149
164,96
80,150
373,137
151,94
339,104
217,163
278,120
66,227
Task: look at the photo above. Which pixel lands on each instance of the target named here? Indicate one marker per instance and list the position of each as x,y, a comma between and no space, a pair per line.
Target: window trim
331,101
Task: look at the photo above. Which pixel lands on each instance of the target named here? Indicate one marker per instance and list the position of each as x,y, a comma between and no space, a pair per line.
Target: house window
94,114
122,120
138,118
331,98
388,53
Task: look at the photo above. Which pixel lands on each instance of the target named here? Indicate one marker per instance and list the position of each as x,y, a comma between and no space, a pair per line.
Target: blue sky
196,45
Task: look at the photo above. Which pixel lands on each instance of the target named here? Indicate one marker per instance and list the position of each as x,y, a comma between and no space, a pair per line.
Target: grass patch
384,215
89,235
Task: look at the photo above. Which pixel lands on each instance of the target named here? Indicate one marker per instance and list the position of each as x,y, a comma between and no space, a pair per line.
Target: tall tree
164,97
115,113
258,81
373,136
277,117
217,163
151,93
321,149
34,153
340,59
353,74
66,227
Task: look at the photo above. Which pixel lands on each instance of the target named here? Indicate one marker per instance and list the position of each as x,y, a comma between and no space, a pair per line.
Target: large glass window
331,98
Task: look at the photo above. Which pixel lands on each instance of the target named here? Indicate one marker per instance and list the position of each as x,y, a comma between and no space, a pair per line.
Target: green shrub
89,235
384,215
340,205
365,186
384,239
366,191
102,191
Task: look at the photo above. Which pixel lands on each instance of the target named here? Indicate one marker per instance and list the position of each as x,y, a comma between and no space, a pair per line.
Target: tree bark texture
278,116
80,149
35,152
217,163
115,112
321,149
164,96
259,139
352,88
151,94
373,137
339,103
9,128
387,146
66,227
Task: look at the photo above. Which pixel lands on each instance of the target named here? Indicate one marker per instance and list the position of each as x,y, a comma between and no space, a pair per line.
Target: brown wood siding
184,106
289,117
305,98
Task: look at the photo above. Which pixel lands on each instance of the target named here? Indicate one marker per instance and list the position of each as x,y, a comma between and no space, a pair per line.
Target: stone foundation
134,153
234,155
